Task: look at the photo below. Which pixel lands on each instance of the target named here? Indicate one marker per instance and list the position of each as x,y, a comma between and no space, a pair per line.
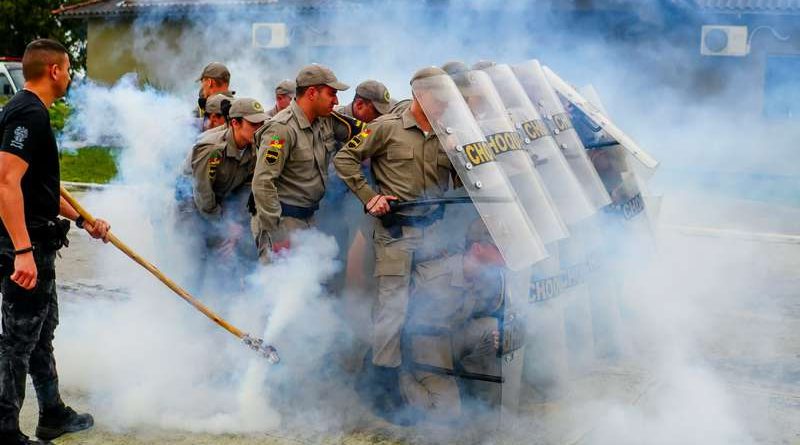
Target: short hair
218,82
39,55
301,91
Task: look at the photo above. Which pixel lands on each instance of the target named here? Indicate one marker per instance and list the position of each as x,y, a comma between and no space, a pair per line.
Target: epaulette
282,116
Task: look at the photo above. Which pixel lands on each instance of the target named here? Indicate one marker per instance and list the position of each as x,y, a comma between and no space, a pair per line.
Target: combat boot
64,420
17,438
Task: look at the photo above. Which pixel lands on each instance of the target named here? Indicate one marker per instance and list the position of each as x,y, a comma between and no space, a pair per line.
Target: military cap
455,67
249,109
316,74
214,103
377,93
216,70
428,71
287,87
483,64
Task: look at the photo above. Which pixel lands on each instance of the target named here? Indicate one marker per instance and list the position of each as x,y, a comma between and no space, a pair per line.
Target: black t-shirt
26,132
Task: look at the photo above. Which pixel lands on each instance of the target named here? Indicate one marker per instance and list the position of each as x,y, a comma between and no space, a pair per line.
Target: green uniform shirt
404,161
218,168
292,163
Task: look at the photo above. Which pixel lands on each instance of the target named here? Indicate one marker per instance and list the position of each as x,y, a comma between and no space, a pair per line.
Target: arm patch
273,150
358,139
214,161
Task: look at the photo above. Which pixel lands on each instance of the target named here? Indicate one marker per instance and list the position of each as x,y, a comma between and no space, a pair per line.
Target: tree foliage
22,21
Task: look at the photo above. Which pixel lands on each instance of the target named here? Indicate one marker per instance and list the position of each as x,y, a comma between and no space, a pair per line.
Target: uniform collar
300,115
231,150
409,120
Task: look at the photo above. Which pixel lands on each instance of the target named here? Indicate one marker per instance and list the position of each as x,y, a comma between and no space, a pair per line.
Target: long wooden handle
154,270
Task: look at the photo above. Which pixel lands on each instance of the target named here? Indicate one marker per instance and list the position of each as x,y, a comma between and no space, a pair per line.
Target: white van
11,79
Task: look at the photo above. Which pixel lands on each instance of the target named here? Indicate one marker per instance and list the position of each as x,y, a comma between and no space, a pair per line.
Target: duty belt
395,222
297,211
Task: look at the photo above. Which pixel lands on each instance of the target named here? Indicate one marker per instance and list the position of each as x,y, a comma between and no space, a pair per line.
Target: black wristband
25,250
79,221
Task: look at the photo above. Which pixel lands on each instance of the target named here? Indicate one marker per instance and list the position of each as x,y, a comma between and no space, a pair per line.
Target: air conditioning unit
721,40
270,35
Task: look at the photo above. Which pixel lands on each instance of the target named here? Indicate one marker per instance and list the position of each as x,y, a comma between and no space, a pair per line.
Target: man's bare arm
12,207
12,213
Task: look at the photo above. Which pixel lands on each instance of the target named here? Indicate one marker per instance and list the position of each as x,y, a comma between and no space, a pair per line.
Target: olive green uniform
218,168
450,326
273,111
409,164
291,171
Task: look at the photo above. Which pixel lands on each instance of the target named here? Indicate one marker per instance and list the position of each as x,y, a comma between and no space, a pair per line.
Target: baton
254,343
459,373
395,205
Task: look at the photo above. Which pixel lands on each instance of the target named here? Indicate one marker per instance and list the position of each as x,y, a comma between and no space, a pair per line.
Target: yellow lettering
562,121
535,129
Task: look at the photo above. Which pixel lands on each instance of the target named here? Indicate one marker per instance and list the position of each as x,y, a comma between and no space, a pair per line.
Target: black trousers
29,320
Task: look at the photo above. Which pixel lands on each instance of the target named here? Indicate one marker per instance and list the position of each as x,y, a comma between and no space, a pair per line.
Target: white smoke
147,358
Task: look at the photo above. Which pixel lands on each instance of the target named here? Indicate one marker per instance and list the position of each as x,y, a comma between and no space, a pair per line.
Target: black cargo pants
29,319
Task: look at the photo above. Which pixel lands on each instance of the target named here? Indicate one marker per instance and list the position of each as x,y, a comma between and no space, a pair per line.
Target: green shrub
88,164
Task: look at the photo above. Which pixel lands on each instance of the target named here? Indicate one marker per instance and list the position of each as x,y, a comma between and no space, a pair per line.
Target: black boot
53,424
17,438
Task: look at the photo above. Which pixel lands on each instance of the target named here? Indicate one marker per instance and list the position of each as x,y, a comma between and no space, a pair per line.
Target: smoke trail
153,366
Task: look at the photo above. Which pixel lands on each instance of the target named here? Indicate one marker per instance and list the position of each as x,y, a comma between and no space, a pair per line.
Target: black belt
297,211
395,222
51,235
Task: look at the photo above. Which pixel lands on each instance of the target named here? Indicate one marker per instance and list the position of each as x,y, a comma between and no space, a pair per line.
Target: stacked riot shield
626,226
549,287
489,112
620,162
560,298
481,175
560,181
475,159
517,159
532,78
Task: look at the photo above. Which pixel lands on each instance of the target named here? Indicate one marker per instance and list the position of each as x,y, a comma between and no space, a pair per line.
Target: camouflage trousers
29,320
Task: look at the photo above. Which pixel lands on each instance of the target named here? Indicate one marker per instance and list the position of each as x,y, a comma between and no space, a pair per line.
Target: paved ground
748,340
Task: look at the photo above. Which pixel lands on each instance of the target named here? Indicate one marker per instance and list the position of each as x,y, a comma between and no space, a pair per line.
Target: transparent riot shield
532,78
480,173
622,165
598,117
564,187
486,106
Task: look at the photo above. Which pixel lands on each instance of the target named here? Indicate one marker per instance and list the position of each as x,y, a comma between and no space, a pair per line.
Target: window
6,89
17,77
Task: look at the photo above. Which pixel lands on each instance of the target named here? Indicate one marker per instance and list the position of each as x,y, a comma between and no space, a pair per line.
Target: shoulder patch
358,139
214,161
273,150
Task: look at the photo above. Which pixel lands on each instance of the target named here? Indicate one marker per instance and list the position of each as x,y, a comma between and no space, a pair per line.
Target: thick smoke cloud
145,358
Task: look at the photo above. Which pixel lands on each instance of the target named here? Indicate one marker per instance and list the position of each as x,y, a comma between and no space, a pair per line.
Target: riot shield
486,106
622,170
599,117
540,92
482,177
564,187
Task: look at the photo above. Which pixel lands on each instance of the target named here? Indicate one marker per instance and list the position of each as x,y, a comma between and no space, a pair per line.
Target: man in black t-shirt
30,235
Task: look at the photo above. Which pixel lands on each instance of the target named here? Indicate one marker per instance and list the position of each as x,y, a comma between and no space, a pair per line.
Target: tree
22,21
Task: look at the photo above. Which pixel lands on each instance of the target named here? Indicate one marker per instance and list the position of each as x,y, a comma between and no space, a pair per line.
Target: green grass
88,164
